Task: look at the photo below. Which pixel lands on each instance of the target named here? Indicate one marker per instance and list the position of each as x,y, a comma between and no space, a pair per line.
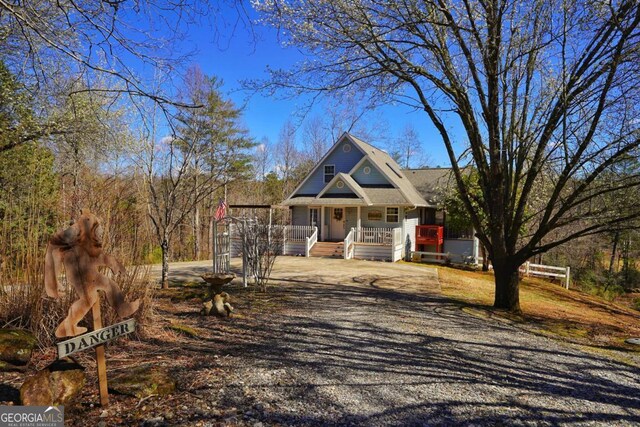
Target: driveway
369,343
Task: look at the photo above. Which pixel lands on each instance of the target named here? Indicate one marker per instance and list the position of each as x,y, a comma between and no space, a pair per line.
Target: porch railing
298,233
397,237
349,244
379,236
311,240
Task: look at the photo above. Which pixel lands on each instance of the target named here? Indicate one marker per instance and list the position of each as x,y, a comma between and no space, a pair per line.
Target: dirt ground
337,342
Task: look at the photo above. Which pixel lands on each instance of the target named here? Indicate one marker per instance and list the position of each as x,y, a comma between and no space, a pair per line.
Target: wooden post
100,359
567,277
284,240
215,245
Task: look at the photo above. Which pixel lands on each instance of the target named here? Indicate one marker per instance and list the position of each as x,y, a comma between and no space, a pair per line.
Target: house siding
373,252
343,162
461,247
294,248
412,220
351,219
374,177
300,215
335,190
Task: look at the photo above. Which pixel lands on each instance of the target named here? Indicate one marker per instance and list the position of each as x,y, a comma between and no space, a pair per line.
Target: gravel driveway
367,343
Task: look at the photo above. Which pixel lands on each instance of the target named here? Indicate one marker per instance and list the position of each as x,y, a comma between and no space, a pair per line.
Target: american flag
221,210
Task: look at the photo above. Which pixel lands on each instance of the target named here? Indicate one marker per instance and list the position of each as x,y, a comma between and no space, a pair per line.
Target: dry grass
26,305
549,309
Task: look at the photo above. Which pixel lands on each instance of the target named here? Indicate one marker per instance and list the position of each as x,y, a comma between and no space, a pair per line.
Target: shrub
27,306
599,283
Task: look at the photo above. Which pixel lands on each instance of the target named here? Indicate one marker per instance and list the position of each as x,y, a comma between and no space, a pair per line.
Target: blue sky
235,55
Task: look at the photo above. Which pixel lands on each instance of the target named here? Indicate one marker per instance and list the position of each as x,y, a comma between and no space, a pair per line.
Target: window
340,184
329,173
393,214
346,148
366,170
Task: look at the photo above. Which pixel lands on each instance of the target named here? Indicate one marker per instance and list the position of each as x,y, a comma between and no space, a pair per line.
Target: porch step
328,249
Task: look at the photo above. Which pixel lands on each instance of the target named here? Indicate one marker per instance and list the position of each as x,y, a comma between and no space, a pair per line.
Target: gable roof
432,183
351,183
391,170
402,193
320,162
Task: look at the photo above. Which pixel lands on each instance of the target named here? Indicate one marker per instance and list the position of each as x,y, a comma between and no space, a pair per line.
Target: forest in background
79,130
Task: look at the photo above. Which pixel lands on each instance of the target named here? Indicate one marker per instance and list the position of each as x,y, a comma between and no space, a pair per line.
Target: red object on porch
430,235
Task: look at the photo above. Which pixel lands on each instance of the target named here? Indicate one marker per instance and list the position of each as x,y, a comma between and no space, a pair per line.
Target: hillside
549,309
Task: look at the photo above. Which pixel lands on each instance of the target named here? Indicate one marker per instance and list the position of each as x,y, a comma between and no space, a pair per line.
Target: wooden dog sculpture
79,249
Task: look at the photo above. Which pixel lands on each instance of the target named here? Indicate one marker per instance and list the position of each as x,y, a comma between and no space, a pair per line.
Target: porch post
358,223
321,237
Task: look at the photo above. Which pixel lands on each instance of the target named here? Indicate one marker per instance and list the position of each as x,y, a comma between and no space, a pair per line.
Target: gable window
329,173
393,214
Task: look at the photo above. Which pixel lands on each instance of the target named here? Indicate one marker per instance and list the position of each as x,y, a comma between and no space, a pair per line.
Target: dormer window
329,172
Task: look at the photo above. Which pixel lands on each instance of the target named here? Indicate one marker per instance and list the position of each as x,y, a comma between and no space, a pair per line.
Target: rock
57,384
206,308
154,422
16,346
222,304
143,381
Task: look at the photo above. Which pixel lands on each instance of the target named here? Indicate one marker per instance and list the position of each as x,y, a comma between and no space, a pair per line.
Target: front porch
335,222
380,244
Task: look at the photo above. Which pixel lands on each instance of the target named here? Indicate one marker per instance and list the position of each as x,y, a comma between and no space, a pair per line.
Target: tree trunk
196,233
485,258
165,263
507,280
211,231
616,237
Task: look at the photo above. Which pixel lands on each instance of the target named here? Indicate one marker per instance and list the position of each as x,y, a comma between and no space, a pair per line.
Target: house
358,203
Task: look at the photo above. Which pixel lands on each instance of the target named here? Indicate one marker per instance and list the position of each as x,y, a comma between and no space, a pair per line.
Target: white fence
396,245
380,236
311,240
530,269
349,244
298,233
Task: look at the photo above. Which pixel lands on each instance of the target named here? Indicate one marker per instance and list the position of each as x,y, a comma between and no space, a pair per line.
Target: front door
337,224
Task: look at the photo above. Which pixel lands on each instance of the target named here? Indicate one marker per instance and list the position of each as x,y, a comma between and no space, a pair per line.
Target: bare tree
407,149
547,93
288,156
262,243
262,158
180,171
316,138
43,40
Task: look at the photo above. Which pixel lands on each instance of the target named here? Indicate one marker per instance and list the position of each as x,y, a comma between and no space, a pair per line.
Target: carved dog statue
79,249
